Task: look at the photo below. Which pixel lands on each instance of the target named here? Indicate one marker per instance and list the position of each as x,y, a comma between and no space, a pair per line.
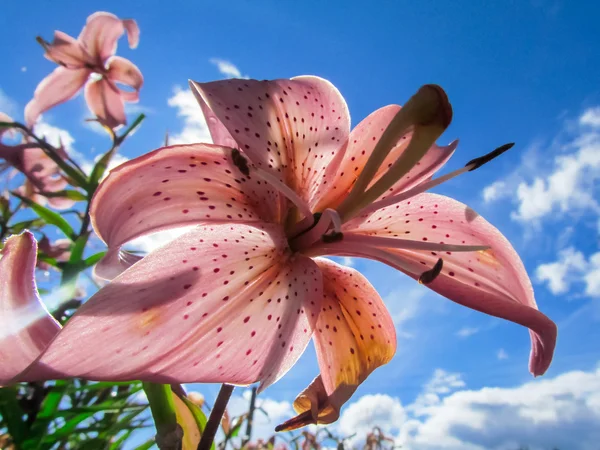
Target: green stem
162,406
208,436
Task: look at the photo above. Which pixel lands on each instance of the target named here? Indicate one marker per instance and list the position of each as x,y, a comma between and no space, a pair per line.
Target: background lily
90,60
237,299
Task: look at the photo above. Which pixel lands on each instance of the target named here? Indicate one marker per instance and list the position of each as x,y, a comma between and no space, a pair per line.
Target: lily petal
67,51
492,281
133,32
219,304
58,87
177,186
354,335
296,128
218,132
361,143
121,70
26,326
106,102
100,35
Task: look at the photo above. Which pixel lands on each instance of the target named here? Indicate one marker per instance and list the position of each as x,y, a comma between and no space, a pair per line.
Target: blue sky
522,71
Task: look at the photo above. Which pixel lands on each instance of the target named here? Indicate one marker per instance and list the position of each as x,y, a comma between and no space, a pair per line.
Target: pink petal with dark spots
177,186
296,128
361,143
26,326
492,281
58,87
219,304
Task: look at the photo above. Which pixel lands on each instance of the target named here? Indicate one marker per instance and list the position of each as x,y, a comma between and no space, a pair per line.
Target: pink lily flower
41,173
237,299
92,53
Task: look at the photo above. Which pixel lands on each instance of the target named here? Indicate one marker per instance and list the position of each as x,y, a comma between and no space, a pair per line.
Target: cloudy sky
523,71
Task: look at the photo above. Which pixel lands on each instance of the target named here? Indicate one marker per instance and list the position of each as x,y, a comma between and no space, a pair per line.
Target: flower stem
162,406
208,436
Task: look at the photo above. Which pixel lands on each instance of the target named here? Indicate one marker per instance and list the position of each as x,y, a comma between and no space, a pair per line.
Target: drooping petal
67,51
312,406
100,35
361,143
492,281
177,186
354,335
121,70
220,304
26,326
133,32
296,128
58,87
105,101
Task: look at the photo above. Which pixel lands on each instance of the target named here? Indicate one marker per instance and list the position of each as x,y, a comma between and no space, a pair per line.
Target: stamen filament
329,220
430,113
418,189
408,244
285,190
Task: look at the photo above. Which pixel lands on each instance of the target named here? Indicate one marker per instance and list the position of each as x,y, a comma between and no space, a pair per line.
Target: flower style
237,299
42,174
92,53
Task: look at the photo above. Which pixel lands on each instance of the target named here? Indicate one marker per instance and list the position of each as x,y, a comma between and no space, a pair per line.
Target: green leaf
78,249
51,217
68,193
12,414
100,167
52,401
146,445
26,224
91,260
132,128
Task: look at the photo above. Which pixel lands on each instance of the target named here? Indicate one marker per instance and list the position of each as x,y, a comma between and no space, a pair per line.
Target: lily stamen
285,190
469,167
409,244
430,275
329,220
429,113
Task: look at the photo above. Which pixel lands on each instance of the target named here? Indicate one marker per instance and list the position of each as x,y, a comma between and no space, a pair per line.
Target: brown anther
430,275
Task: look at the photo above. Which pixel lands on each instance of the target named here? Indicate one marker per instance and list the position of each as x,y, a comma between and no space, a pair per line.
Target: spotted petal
296,128
354,335
492,281
56,88
177,186
26,326
219,304
361,143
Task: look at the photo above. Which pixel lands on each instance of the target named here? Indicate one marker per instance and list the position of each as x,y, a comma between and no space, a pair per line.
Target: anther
240,162
336,236
430,275
478,162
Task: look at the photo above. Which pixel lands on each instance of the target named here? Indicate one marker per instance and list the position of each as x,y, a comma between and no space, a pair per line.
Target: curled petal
121,70
361,143
177,186
115,262
492,281
100,35
354,335
133,32
219,304
26,326
313,407
296,128
67,51
58,87
105,101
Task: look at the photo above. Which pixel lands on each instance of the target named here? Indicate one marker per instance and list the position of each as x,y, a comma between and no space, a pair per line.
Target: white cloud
567,185
502,354
227,68
7,105
591,117
194,125
561,412
571,267
467,331
54,135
